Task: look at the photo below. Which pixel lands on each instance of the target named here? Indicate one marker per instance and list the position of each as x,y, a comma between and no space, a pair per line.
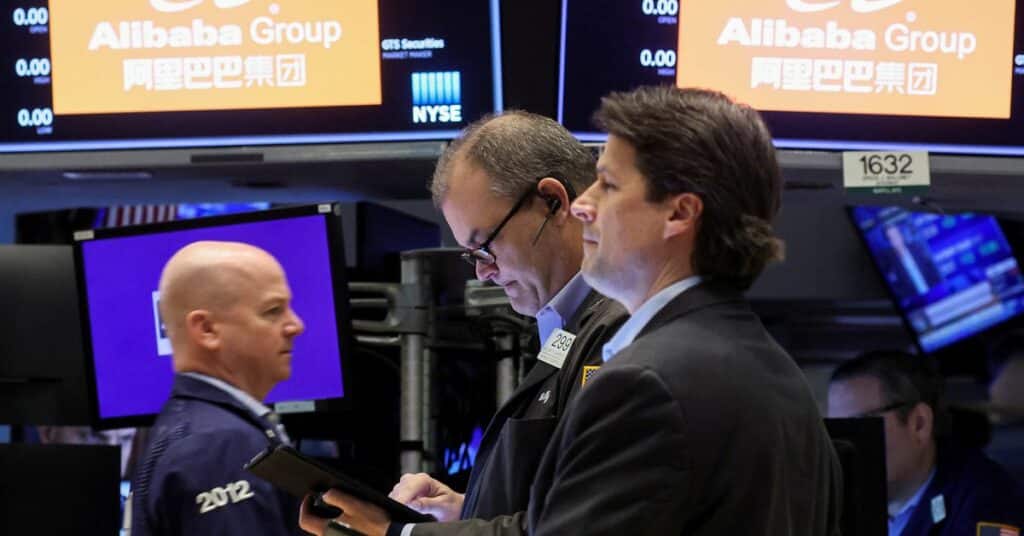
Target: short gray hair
515,149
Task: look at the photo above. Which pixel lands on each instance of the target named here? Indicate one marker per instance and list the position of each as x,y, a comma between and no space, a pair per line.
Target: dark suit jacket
191,479
702,426
974,490
512,445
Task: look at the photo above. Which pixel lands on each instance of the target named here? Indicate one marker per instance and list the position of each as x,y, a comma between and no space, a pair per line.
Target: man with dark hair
698,423
504,187
935,486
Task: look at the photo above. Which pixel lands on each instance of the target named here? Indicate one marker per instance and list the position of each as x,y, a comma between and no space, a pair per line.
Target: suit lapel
540,373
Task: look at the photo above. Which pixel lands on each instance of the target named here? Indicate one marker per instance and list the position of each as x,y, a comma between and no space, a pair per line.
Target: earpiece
554,204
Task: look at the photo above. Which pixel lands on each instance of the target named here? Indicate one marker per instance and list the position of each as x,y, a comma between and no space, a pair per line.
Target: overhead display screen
180,73
826,73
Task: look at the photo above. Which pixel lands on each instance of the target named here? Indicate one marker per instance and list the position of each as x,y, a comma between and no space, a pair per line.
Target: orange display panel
184,55
891,57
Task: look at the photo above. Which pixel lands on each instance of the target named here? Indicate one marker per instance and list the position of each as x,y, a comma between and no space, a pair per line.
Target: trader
227,310
504,187
935,484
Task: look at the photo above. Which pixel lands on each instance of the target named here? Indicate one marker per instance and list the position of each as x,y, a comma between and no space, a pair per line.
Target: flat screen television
128,355
860,445
108,75
827,74
951,276
42,366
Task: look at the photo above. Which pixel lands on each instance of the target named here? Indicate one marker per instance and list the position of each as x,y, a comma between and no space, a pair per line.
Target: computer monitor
42,366
128,354
112,75
860,444
843,74
59,489
951,275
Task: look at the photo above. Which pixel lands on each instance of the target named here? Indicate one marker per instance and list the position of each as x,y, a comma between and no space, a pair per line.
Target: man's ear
922,422
202,330
556,198
684,214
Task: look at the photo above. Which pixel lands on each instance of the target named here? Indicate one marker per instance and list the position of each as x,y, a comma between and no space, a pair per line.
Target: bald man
227,310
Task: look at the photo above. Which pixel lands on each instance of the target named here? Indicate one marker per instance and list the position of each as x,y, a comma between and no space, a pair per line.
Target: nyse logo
859,6
437,97
175,6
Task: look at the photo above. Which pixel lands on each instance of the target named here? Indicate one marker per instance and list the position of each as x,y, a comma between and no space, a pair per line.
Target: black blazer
702,426
512,446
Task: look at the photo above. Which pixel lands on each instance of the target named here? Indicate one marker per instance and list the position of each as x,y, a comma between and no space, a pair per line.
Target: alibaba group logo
175,6
859,6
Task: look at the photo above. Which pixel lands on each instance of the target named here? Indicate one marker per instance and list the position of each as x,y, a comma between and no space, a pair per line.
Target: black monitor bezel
800,131
867,434
331,213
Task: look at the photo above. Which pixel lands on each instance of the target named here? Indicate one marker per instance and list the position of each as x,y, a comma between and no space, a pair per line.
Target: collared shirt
241,396
639,319
562,307
247,400
899,522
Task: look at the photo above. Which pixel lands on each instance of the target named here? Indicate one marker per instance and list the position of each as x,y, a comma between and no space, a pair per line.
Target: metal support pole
415,408
411,418
505,370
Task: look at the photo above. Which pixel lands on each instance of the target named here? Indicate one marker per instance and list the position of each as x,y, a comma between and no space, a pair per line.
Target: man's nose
583,208
486,271
296,326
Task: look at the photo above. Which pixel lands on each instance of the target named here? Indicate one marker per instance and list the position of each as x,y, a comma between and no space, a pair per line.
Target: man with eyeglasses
504,187
935,485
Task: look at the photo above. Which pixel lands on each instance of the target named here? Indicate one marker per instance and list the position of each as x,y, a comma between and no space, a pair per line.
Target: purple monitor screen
132,360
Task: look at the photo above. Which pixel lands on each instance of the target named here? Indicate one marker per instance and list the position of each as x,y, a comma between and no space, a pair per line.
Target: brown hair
700,141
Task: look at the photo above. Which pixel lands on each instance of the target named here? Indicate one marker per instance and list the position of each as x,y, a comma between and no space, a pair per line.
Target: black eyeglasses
482,254
888,407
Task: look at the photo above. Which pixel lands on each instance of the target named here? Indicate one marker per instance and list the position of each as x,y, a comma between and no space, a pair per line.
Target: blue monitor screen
130,351
952,276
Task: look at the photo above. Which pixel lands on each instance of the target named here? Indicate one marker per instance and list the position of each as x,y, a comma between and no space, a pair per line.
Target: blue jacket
191,481
970,494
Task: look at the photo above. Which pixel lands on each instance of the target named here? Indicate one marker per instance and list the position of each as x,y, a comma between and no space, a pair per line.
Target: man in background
227,309
934,486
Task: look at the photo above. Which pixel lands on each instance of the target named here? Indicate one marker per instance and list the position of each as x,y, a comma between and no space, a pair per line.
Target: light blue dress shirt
638,320
562,307
899,521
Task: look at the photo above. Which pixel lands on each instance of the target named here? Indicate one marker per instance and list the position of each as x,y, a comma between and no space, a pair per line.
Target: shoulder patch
588,371
987,528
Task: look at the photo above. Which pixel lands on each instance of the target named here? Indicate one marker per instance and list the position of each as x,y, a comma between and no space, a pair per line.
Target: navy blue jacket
191,480
973,490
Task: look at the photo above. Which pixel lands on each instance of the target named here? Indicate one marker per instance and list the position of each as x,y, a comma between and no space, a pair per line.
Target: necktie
275,420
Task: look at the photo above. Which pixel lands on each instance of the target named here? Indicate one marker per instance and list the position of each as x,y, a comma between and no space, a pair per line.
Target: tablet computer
300,475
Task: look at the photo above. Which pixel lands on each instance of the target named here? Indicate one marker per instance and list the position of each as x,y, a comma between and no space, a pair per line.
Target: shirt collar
562,306
241,396
899,522
639,319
